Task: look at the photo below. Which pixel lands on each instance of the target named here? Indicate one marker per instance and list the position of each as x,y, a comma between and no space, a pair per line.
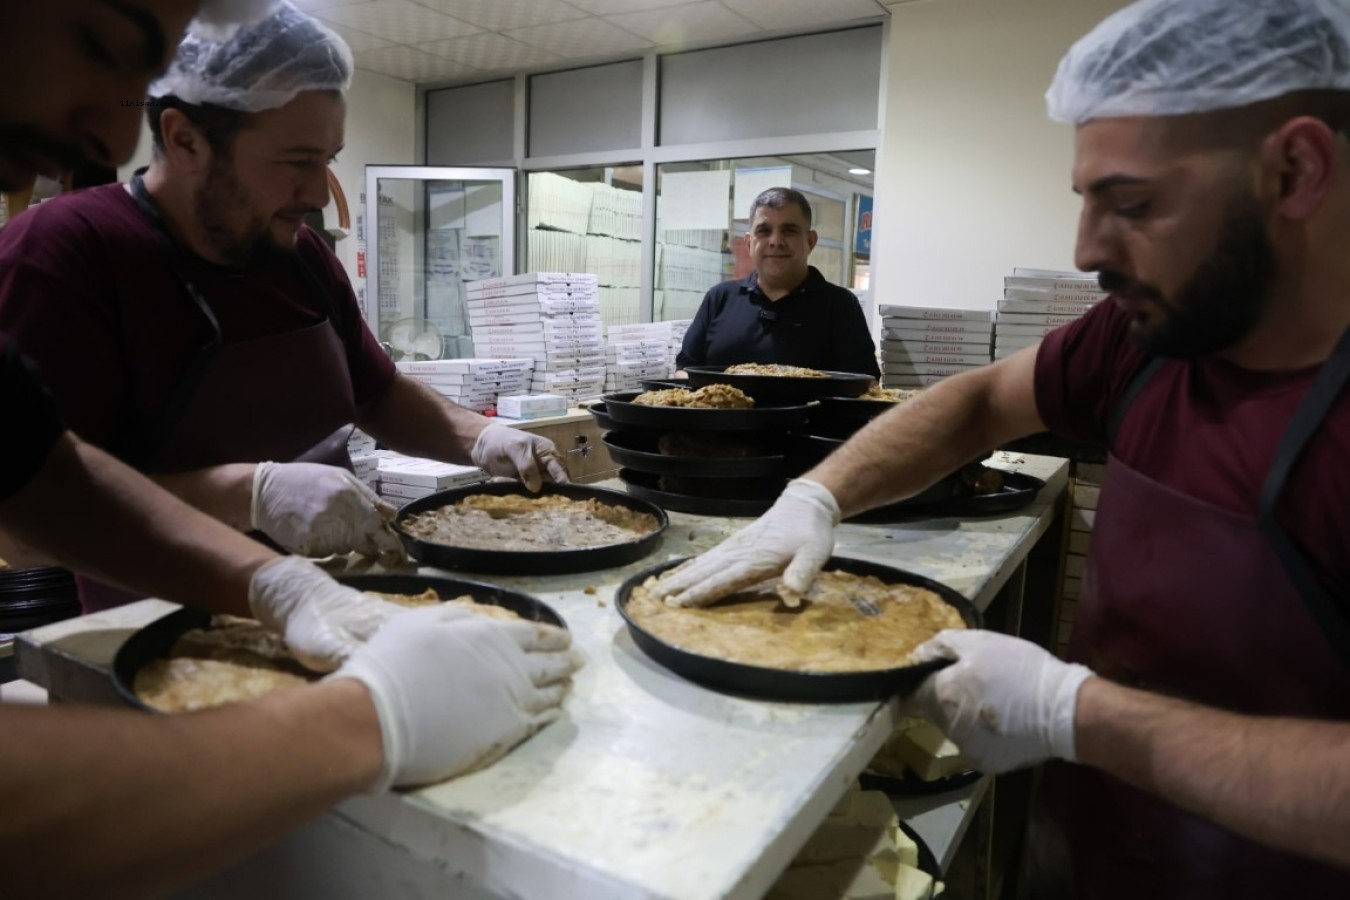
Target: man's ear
810,240
184,146
1299,159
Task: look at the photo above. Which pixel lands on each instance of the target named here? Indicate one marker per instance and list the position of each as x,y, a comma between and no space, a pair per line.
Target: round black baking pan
911,785
620,408
781,684
662,384
639,450
855,408
783,388
530,562
155,640
600,414
726,497
1019,490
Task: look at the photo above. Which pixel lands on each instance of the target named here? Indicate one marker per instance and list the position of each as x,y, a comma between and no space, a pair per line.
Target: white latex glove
1005,702
506,451
315,510
795,537
322,621
455,691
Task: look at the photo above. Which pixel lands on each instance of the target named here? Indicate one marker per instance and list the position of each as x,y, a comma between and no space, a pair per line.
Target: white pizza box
1061,282
428,473
905,349
400,494
545,304
1052,319
511,292
364,464
451,379
1008,328
484,285
472,364
983,326
1052,308
933,312
531,349
640,331
974,338
911,381
1082,296
889,357
638,370
901,368
518,406
614,347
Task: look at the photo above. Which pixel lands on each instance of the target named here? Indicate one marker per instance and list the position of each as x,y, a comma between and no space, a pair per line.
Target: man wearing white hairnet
103,802
191,323
1208,701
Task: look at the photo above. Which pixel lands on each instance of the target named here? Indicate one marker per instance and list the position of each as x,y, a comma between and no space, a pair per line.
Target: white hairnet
260,66
220,19
1178,57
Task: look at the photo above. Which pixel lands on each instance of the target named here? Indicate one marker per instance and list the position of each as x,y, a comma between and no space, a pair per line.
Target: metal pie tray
531,562
734,497
783,388
620,408
638,450
783,684
154,641
1019,490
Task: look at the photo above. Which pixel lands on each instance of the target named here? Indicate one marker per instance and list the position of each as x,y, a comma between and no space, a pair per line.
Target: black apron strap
1132,391
1333,616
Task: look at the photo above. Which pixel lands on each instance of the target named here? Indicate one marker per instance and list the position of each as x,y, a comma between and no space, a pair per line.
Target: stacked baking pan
727,462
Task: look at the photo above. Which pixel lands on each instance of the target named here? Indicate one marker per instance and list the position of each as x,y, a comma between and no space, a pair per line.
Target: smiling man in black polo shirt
785,311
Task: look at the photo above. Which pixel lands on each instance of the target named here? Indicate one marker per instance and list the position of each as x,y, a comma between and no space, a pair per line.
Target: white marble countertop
650,786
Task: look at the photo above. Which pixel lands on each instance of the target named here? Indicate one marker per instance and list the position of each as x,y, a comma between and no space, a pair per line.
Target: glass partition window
590,220
702,215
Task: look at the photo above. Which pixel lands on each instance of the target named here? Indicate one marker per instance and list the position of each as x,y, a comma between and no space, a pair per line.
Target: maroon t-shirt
90,291
1207,429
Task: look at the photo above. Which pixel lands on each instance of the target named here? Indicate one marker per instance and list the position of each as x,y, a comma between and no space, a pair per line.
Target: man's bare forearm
222,492
94,514
411,418
954,422
1281,782
178,795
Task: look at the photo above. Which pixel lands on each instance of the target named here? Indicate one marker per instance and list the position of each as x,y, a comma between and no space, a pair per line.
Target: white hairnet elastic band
1180,57
260,66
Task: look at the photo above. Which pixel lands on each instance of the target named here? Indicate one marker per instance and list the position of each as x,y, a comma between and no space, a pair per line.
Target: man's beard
1221,303
215,205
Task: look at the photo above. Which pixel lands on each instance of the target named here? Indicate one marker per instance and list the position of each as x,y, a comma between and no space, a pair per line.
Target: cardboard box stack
473,383
1084,491
405,478
550,317
361,449
1036,302
641,350
921,345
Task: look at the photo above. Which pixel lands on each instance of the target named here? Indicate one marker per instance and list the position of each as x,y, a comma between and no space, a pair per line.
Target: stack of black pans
30,598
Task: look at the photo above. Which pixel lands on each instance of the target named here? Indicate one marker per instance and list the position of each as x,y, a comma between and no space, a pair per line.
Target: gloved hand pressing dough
316,510
454,691
1005,702
796,535
321,620
505,451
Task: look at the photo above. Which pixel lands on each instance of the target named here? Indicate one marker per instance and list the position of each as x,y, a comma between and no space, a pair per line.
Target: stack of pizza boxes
473,383
921,345
1037,301
552,318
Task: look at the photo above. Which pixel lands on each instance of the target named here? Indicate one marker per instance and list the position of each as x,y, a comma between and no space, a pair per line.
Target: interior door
428,230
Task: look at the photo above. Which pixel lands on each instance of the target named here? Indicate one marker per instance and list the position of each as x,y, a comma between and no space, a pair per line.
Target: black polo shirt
34,424
819,325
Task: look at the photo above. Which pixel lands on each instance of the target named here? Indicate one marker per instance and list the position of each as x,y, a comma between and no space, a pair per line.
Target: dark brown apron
278,397
1187,599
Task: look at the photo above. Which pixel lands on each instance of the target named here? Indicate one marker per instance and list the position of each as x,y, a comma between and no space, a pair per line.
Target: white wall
972,176
381,127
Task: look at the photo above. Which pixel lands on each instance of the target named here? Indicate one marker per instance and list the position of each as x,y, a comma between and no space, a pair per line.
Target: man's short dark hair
779,197
218,124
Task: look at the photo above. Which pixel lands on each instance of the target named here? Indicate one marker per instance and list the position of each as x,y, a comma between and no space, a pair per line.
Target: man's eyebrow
1107,182
311,150
155,42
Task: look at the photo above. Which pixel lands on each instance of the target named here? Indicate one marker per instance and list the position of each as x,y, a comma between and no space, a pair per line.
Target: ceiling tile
682,25
400,21
502,15
581,38
775,14
359,40
410,64
490,52
612,7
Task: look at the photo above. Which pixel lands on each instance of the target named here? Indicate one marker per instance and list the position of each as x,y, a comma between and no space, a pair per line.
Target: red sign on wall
360,264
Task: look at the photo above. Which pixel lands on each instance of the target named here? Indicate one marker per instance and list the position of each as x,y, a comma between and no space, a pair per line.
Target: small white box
521,406
426,473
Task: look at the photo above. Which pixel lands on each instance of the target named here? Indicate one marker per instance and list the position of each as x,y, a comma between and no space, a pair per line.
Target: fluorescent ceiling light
859,171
